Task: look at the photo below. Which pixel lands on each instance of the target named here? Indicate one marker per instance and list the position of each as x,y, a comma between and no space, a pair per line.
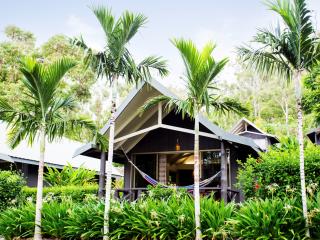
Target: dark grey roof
5,157
204,121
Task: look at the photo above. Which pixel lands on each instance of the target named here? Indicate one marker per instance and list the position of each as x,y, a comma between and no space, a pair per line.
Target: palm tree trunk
110,159
297,80
37,230
196,192
224,174
287,117
102,176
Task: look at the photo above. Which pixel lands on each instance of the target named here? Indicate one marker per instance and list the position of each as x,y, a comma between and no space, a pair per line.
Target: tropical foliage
11,184
171,218
276,172
42,113
288,52
69,176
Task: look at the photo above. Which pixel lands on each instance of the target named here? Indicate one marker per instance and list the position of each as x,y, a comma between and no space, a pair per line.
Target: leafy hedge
165,219
276,173
11,184
76,193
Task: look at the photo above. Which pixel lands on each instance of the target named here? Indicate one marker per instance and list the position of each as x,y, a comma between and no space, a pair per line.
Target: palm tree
41,113
114,62
201,70
287,52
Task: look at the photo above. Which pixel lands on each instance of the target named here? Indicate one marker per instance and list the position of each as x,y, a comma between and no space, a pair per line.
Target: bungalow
314,136
248,129
25,158
160,144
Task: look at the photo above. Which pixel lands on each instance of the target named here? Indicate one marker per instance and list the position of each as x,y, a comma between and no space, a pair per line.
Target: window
211,165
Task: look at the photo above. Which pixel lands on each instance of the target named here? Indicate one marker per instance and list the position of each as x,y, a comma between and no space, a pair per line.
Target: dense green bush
17,222
76,193
69,176
11,184
268,219
276,172
145,219
172,218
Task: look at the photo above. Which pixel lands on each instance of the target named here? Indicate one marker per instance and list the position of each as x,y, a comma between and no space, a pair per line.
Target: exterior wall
164,140
262,141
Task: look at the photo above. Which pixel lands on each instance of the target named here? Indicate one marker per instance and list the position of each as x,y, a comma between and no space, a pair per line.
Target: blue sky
228,23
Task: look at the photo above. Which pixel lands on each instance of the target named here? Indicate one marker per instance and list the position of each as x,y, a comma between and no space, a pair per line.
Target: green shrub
85,221
76,193
214,216
54,217
159,192
268,219
17,222
276,172
11,184
69,176
172,218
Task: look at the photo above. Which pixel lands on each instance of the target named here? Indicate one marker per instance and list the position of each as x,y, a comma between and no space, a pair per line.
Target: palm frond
152,63
180,106
105,18
152,102
264,62
130,24
227,105
20,130
60,126
281,51
101,141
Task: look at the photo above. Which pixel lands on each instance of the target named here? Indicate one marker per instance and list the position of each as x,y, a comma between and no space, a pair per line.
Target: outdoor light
177,145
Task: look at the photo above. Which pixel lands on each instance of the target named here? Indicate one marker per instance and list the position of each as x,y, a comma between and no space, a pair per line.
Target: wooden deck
132,194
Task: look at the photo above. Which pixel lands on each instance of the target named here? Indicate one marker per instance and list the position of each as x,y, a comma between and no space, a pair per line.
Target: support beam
185,130
224,174
148,129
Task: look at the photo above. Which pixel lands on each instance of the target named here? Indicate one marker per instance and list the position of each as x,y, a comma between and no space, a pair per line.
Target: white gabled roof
58,153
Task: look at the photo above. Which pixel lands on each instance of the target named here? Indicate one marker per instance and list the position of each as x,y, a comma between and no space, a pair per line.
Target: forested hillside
271,102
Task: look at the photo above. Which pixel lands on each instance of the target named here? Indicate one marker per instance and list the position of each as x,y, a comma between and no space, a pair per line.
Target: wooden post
224,174
102,176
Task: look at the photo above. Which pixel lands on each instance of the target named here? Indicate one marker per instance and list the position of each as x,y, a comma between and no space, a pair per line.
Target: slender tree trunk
102,176
287,117
110,159
196,191
224,174
297,80
37,230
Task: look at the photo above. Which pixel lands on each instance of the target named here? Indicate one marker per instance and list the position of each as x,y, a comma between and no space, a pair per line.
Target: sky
228,23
